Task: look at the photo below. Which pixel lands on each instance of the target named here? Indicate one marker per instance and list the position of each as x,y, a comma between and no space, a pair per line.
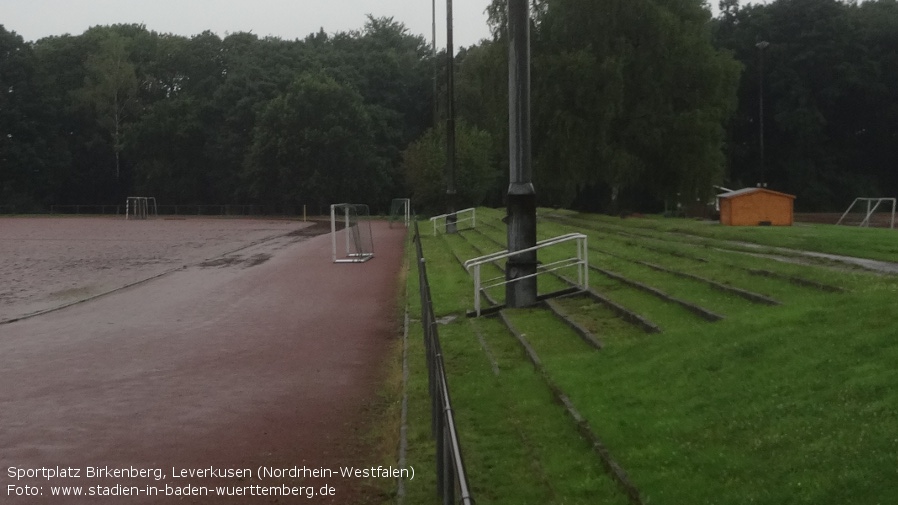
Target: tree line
828,72
637,104
122,110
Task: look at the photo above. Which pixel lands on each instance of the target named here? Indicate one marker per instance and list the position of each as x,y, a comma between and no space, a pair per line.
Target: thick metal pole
451,218
761,46
521,193
436,98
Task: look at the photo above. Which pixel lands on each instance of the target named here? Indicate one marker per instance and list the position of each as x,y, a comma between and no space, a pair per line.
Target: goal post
865,212
400,211
351,227
140,207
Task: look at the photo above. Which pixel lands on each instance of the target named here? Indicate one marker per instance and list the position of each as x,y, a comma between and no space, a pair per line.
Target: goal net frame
138,207
400,210
872,205
356,230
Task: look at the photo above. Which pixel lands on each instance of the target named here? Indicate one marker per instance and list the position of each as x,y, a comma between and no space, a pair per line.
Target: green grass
421,449
874,243
790,404
519,446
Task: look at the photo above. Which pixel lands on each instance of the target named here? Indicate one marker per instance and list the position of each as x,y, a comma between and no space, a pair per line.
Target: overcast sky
288,19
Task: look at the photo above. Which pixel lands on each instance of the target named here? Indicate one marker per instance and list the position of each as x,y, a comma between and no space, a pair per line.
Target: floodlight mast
433,52
761,47
521,193
451,192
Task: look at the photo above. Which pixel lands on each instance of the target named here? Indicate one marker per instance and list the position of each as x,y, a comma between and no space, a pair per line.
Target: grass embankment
524,449
792,403
873,243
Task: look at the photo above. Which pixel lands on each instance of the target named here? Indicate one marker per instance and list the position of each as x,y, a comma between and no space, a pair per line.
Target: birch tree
110,89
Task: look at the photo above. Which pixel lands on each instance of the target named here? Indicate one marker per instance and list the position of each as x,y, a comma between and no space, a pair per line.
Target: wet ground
248,349
49,262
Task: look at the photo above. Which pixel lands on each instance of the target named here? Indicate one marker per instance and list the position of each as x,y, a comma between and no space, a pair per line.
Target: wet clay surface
50,262
269,359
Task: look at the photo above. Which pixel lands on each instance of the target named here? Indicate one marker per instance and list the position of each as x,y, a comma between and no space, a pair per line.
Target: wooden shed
756,207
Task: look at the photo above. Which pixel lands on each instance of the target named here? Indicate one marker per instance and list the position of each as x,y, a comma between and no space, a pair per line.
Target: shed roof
748,191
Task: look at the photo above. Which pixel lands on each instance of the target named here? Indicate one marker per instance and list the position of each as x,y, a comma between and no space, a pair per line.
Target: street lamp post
761,46
451,192
433,52
521,268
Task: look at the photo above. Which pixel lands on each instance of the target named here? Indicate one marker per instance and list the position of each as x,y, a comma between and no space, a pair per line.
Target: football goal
400,211
870,212
140,207
351,231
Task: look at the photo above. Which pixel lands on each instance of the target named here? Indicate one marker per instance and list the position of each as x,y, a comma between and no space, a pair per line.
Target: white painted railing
580,261
458,218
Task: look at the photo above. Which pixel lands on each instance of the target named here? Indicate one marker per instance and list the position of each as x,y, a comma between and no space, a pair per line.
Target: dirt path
266,360
882,267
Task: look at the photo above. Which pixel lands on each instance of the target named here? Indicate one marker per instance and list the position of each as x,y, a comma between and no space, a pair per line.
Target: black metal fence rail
177,210
230,210
452,480
186,210
87,209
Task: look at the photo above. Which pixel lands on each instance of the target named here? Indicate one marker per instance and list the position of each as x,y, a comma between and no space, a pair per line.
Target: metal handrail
451,473
542,269
489,258
581,261
472,219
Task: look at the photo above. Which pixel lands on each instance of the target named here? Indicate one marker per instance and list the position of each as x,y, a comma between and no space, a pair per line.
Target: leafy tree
830,113
249,74
392,70
110,88
315,143
875,130
185,118
632,95
168,144
20,145
629,99
424,165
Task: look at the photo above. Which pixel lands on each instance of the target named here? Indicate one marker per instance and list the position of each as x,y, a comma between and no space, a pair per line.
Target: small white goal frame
355,252
871,208
405,212
138,207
